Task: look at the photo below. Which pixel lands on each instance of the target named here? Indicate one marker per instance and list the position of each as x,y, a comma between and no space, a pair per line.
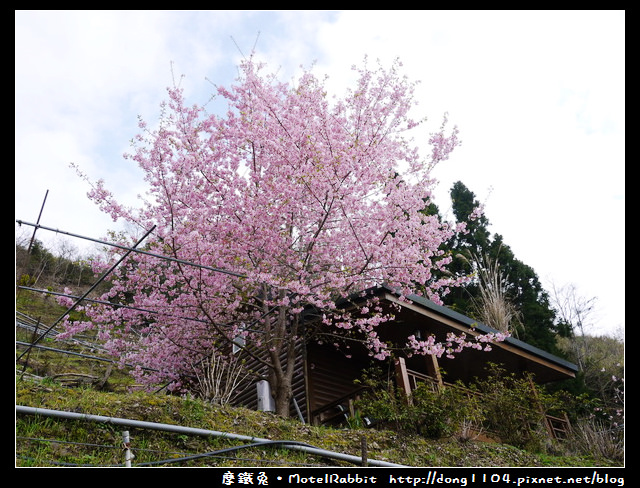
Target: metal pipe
77,302
139,251
195,431
35,229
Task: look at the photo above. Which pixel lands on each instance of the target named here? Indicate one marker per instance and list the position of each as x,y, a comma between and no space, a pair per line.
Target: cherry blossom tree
290,201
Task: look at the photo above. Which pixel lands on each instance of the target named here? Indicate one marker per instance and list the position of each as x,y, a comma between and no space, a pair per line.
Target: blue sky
539,98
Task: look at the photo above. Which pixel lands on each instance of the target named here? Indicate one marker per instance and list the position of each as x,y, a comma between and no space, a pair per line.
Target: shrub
429,411
507,406
444,412
598,439
514,408
218,377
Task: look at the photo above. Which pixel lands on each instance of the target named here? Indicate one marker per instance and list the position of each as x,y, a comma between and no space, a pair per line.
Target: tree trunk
283,393
281,334
283,359
281,379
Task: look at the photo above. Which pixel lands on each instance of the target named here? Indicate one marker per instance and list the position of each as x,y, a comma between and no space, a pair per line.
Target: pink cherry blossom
290,201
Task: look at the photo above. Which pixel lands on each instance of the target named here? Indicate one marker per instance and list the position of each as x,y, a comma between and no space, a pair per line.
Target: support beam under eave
433,368
402,377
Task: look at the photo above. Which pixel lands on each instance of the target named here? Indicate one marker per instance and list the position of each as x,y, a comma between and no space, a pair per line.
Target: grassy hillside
47,378
92,443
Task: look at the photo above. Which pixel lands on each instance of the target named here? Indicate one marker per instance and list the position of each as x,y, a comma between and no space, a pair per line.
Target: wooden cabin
324,384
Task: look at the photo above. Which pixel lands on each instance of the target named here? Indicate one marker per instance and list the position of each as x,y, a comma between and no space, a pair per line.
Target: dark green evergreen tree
536,324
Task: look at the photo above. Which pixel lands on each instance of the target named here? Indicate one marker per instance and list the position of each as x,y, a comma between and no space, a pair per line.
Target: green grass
47,441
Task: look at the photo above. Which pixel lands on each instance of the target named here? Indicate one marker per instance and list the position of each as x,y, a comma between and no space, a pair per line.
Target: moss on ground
92,443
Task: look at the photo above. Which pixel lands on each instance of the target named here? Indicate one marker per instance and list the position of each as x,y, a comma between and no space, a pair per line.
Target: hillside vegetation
85,382
48,441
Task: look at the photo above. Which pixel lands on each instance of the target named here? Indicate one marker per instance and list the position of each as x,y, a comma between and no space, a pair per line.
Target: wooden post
433,369
402,378
363,450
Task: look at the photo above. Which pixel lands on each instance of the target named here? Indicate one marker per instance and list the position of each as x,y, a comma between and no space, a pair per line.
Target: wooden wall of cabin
247,395
331,375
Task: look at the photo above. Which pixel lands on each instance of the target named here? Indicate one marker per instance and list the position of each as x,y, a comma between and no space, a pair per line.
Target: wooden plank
402,377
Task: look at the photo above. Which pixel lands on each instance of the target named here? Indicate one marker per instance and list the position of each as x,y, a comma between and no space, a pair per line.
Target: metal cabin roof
471,323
